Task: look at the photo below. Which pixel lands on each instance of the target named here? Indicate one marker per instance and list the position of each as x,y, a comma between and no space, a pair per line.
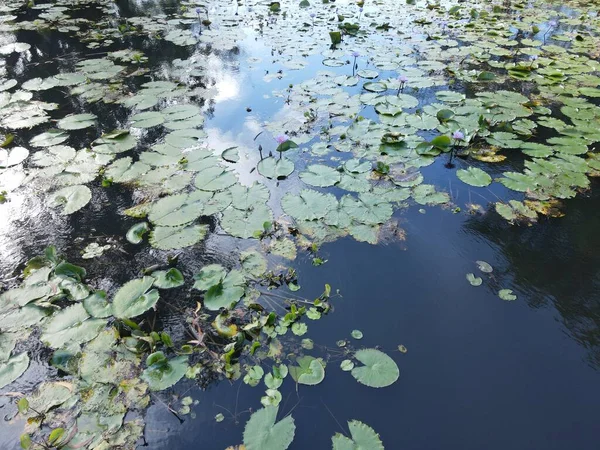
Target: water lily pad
474,176
263,433
209,276
346,365
225,293
163,373
379,369
276,168
507,294
246,223
168,279
147,119
70,198
170,238
77,121
13,368
308,205
49,138
367,73
135,234
475,281
71,325
134,298
320,175
12,157
363,438
309,371
484,266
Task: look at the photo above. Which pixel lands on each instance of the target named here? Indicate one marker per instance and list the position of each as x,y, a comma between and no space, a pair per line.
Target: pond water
435,169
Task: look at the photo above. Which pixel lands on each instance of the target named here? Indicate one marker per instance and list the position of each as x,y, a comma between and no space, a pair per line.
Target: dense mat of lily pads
402,83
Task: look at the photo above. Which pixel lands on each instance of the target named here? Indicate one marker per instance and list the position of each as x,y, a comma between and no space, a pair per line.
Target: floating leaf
209,276
167,279
147,119
262,433
475,281
163,373
275,168
363,438
484,266
77,121
309,371
379,369
71,325
357,334
70,198
170,238
226,293
12,157
135,298
320,175
346,365
135,234
474,176
507,294
13,368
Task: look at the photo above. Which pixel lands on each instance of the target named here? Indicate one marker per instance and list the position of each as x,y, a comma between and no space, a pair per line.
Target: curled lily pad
309,371
135,298
262,432
135,234
379,369
475,281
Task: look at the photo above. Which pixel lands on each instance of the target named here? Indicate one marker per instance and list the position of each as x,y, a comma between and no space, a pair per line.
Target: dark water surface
479,372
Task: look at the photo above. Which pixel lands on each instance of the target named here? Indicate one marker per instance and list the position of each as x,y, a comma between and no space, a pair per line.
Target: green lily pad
475,281
320,175
135,298
363,438
379,369
262,432
171,238
474,176
77,122
309,371
163,373
275,168
507,294
168,279
70,198
13,368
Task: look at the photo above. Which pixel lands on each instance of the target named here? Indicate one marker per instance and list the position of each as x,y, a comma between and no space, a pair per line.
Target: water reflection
556,263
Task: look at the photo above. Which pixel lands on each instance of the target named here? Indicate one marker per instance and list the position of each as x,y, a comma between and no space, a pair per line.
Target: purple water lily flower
281,139
355,54
198,10
553,23
313,15
458,135
360,9
402,78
